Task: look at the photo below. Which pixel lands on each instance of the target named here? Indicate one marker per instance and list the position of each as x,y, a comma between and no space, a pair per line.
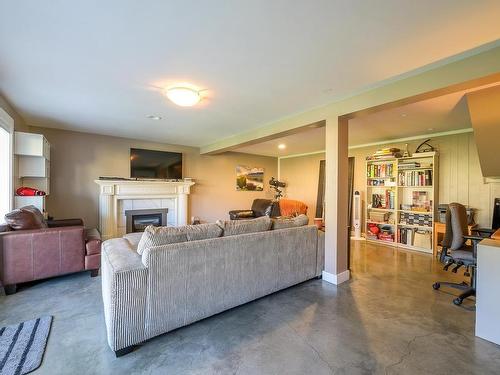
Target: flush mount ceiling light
183,95
281,146
153,117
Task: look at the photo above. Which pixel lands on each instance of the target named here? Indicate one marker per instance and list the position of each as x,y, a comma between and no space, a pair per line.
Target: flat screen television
155,164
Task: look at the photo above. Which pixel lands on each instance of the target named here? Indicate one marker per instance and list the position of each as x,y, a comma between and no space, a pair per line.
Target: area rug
22,346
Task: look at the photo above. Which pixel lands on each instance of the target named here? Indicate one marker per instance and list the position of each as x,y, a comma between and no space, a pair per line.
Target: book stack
385,153
405,236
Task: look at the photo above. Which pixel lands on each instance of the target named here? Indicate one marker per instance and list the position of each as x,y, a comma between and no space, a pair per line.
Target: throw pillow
203,231
290,222
157,236
235,227
28,217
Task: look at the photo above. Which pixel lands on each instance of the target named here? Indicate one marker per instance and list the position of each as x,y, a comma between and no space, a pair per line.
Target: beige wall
460,178
77,159
301,175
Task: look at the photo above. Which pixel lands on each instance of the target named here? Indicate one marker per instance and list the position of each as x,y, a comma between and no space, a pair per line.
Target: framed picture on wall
249,178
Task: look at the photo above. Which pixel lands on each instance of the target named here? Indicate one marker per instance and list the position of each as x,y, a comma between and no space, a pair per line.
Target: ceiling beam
472,68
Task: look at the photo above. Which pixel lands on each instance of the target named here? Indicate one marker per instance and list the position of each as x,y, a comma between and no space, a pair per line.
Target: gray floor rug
22,346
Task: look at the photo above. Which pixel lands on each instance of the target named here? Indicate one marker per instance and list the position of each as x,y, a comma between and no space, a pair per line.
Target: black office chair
495,222
455,252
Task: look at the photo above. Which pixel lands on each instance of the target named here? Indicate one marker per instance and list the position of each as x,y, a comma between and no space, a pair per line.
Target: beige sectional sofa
173,285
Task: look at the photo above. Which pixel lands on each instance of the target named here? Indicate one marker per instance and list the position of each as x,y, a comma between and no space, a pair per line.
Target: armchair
260,207
59,247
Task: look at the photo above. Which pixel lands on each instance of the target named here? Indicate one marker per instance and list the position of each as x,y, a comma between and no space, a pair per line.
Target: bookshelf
401,196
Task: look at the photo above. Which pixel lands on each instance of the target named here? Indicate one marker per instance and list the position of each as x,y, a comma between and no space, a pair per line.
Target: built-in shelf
32,152
402,195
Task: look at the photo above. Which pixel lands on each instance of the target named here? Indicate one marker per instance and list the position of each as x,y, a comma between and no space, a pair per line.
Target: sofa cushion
202,231
28,217
290,222
235,227
157,236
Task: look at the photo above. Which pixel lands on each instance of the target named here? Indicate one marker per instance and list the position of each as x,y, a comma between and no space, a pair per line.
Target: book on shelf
385,201
415,178
379,170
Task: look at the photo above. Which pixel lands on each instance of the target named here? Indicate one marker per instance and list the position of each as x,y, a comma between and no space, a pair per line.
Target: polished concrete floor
386,320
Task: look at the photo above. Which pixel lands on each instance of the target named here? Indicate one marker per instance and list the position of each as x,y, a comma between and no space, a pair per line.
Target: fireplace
138,220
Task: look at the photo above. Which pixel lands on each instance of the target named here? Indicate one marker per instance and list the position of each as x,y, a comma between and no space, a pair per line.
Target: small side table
439,230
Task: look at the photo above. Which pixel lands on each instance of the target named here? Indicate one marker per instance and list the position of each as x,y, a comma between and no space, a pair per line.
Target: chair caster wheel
436,286
458,301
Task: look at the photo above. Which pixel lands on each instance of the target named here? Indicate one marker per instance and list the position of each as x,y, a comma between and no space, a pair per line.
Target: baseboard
336,279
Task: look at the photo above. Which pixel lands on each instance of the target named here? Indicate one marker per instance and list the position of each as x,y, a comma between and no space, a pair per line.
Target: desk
487,301
439,230
496,235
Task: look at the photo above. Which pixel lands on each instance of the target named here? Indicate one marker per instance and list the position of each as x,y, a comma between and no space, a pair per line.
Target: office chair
495,222
455,252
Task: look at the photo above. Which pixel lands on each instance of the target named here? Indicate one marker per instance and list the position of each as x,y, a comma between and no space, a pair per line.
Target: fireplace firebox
138,220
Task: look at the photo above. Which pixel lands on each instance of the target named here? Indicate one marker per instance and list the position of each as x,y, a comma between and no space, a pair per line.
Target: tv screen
155,164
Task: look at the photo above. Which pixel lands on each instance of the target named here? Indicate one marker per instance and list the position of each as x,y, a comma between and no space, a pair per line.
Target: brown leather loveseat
32,248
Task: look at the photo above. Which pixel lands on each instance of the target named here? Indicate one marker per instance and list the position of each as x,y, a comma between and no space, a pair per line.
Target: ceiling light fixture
281,146
183,95
153,117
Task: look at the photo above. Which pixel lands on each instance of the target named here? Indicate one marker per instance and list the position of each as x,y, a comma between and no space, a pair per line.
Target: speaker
356,219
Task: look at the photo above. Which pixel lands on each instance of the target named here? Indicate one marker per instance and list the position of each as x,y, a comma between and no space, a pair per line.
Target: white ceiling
98,66
442,114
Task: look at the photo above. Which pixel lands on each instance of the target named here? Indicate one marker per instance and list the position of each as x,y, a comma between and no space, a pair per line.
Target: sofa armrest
34,254
64,223
320,257
124,293
241,214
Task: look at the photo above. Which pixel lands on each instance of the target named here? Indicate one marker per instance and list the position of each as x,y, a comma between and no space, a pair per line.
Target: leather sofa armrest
241,214
92,241
64,223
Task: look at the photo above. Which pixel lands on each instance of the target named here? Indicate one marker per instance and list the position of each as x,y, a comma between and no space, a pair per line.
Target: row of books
386,201
415,178
380,170
413,165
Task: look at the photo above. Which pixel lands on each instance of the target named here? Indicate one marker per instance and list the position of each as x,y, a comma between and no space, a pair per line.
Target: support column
182,209
336,201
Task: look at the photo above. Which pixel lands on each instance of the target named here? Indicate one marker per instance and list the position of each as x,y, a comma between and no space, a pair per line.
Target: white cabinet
33,167
30,144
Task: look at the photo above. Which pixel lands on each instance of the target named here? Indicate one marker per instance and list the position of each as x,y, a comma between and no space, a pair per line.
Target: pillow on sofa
235,227
157,236
290,222
28,217
203,231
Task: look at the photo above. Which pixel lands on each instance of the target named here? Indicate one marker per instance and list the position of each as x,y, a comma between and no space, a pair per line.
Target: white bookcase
401,200
32,152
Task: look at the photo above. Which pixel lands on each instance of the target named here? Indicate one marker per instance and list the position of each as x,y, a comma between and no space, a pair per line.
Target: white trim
7,123
336,279
299,155
415,137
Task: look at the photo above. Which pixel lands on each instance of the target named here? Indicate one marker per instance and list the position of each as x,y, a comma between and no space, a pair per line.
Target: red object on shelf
29,192
385,237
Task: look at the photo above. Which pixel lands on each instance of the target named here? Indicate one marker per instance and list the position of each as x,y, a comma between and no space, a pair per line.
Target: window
6,172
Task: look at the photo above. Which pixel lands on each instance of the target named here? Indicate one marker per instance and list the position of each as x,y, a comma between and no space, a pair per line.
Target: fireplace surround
118,196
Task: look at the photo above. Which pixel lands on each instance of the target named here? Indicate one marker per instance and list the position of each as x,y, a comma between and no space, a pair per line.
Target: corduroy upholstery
173,285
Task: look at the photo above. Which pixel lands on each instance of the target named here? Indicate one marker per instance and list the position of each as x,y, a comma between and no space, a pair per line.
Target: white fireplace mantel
114,194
